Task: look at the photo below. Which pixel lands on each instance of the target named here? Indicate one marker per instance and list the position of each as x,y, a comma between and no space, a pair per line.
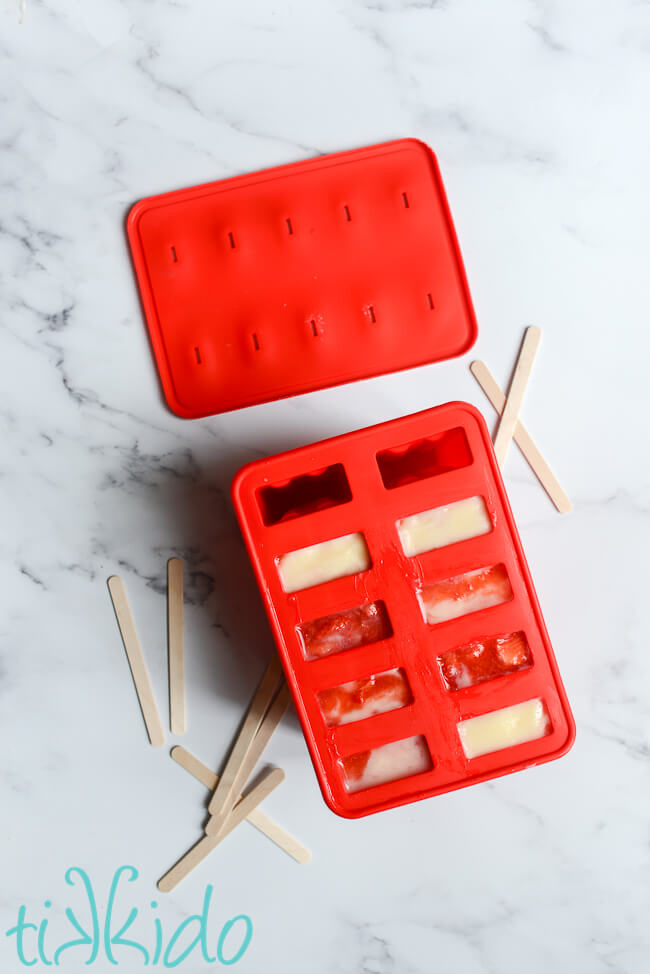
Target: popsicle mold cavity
443,526
364,698
462,594
323,562
518,724
305,494
345,630
399,759
425,458
484,659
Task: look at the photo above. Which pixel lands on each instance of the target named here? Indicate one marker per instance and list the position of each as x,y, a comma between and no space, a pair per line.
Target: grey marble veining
538,114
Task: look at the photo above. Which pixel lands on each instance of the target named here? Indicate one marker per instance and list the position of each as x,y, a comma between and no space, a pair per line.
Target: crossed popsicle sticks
228,806
510,426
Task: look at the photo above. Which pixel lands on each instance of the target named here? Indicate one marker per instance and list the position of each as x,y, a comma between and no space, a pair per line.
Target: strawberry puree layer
399,759
345,630
364,698
484,659
462,594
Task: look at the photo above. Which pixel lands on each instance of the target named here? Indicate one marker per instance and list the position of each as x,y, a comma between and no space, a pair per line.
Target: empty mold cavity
405,201
390,762
431,304
289,226
442,526
323,562
345,630
314,328
365,698
305,494
232,240
256,342
174,255
346,210
519,724
484,659
197,355
462,594
425,458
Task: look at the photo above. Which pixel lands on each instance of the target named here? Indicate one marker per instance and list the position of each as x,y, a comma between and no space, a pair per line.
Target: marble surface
538,114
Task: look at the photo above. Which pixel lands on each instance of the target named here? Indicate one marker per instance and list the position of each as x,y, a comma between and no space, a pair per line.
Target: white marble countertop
538,114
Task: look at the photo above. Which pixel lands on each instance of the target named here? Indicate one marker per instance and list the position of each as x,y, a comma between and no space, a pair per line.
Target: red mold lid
301,277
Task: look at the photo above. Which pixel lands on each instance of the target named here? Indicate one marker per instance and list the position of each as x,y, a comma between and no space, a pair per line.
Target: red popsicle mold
366,482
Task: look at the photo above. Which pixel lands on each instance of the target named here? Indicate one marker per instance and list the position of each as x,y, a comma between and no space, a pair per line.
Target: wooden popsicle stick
257,818
204,846
135,657
222,799
524,441
515,397
176,644
280,836
196,768
276,712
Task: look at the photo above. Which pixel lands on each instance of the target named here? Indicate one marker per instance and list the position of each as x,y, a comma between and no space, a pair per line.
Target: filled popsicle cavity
345,630
314,491
462,594
508,727
390,762
425,458
484,659
364,698
442,526
323,562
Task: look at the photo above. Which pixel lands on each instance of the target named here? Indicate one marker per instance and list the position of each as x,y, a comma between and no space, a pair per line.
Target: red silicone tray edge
238,485
147,295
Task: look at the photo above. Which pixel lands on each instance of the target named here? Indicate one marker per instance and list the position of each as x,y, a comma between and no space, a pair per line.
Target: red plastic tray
360,501
301,277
